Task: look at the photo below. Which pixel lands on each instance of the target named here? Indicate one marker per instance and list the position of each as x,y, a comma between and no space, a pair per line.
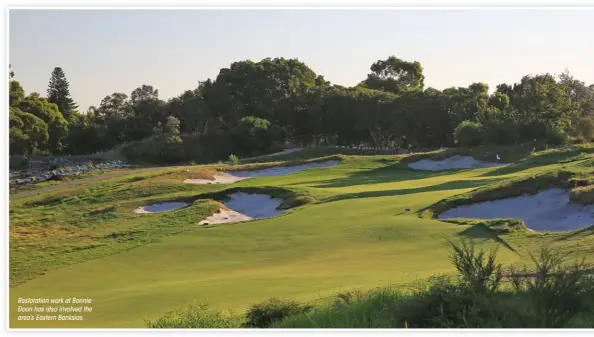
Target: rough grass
583,195
86,239
58,180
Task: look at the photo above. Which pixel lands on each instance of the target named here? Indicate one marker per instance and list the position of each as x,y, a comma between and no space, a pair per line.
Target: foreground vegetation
551,294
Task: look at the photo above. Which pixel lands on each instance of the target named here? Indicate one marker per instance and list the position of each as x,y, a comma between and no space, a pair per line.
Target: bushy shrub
254,136
500,132
468,134
262,315
555,136
196,316
478,272
233,159
585,128
151,150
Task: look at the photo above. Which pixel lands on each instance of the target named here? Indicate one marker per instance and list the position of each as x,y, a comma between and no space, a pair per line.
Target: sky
108,51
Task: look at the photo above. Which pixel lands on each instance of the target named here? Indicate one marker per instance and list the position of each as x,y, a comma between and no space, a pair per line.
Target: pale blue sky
109,51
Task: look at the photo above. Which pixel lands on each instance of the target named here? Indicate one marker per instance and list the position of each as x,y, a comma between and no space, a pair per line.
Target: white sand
454,162
548,211
244,207
162,207
220,178
235,176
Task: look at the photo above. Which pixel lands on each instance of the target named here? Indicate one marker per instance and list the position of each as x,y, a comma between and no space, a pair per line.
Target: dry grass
35,233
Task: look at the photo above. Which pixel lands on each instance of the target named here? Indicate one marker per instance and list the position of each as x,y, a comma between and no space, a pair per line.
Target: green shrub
468,134
585,128
559,292
500,132
196,316
253,136
233,159
477,272
556,137
262,315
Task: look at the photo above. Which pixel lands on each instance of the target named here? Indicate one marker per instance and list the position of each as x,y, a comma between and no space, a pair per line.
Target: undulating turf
359,229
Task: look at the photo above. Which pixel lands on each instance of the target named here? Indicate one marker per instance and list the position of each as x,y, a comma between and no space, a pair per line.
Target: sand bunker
547,211
244,207
162,207
287,151
451,163
235,176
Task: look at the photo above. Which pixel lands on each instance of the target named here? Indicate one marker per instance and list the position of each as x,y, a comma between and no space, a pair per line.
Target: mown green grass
361,231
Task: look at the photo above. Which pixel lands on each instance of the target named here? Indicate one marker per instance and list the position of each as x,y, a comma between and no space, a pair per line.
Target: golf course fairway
361,229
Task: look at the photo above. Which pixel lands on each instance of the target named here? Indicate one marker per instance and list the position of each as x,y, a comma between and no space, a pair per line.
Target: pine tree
58,92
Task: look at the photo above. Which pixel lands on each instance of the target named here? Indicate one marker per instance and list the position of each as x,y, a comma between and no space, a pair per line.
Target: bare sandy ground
245,207
160,207
547,211
235,176
451,163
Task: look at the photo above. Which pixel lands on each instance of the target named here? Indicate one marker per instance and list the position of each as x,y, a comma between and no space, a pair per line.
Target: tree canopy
252,107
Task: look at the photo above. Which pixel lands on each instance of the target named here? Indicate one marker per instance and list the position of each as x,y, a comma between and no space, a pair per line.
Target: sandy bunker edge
160,207
229,177
243,206
451,163
549,210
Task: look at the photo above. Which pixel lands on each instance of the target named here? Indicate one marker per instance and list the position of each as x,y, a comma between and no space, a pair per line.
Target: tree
395,75
16,93
579,93
51,116
468,133
585,128
544,106
28,133
253,135
144,93
266,89
58,92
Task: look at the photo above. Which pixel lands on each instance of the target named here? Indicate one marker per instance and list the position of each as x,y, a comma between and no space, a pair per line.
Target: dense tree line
252,107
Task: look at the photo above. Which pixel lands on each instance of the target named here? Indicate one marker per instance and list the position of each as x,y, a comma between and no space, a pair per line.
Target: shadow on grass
452,185
387,174
480,231
580,232
554,157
